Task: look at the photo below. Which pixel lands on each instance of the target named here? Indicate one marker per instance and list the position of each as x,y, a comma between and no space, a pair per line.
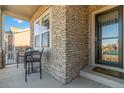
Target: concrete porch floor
11,77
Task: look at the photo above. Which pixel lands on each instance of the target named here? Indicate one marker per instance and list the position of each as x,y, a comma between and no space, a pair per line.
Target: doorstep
101,78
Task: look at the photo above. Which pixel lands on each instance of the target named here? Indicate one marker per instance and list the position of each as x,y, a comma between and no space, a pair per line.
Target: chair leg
40,71
28,68
17,65
17,62
25,72
32,66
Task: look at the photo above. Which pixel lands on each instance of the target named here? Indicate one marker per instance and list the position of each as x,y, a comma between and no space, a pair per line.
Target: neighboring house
8,41
17,38
75,38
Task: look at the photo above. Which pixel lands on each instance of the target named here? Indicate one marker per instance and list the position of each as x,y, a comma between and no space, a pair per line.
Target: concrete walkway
11,77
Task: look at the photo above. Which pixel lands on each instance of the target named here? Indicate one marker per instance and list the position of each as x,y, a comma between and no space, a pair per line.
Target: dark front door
109,37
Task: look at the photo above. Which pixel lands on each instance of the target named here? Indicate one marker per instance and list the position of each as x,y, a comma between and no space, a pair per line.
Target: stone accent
58,51
76,40
54,60
70,38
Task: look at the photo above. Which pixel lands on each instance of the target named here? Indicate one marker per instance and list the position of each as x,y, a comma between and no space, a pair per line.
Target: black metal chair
32,57
20,57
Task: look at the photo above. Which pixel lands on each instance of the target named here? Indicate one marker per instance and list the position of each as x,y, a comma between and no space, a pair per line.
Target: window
45,39
45,23
42,31
45,31
37,38
36,34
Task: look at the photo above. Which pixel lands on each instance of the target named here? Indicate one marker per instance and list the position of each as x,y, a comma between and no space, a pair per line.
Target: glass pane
45,39
45,23
37,28
110,30
10,42
109,50
37,40
108,24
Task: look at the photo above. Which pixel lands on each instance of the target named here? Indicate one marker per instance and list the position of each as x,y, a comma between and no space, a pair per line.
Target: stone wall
76,40
54,59
70,40
59,43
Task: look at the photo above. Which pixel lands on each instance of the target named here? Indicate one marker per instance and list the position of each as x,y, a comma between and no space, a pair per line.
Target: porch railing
11,57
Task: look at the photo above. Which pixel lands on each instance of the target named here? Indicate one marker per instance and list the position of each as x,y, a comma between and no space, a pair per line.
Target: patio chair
32,57
20,57
21,54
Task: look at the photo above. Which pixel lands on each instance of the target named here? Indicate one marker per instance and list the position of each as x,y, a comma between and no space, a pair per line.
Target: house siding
70,40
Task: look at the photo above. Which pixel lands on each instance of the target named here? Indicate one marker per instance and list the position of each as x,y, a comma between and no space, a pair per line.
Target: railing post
2,60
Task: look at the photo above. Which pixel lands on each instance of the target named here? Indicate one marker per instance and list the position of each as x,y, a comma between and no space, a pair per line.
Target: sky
110,31
10,21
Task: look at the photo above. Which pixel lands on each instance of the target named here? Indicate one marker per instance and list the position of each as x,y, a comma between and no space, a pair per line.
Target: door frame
92,40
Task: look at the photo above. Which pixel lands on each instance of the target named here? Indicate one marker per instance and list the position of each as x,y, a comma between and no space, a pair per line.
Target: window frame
45,31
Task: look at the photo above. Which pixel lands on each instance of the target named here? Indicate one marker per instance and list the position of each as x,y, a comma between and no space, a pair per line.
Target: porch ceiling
24,12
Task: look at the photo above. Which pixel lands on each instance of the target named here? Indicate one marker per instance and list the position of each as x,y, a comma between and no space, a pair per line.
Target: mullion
107,38
99,41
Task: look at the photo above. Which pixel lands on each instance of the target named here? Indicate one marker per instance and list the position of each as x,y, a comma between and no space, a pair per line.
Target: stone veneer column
54,58
69,47
57,56
76,40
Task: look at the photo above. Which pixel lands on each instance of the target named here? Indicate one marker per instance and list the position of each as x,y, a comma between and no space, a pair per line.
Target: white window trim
40,20
36,35
92,51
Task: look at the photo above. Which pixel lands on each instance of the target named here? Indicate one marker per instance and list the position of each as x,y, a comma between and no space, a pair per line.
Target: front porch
11,77
68,35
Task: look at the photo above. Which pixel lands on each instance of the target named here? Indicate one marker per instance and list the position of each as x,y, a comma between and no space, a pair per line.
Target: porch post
1,32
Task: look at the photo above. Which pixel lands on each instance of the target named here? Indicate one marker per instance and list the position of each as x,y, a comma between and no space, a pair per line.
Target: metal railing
11,57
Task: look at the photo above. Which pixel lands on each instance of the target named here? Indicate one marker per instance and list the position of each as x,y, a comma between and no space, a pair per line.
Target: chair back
20,55
33,56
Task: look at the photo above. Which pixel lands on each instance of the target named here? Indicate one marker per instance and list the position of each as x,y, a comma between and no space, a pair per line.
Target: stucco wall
22,38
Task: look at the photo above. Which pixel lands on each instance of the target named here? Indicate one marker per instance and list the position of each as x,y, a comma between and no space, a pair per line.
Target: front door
109,37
